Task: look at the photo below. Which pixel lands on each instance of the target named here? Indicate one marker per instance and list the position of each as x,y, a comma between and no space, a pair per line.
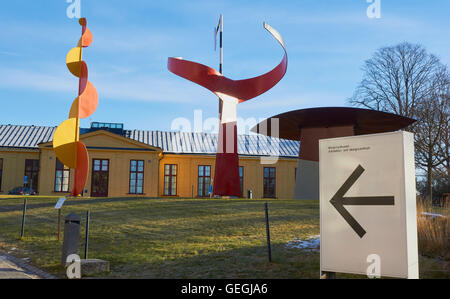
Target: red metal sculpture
231,92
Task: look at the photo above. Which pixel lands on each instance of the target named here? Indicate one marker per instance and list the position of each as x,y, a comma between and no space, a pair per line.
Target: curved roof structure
365,121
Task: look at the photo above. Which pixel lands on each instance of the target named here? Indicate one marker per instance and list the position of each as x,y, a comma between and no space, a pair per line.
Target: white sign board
60,203
368,205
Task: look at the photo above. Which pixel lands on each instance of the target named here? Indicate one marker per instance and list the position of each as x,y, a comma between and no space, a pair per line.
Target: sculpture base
226,177
307,180
94,266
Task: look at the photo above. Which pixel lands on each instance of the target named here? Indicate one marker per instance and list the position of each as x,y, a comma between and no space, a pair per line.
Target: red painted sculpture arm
242,90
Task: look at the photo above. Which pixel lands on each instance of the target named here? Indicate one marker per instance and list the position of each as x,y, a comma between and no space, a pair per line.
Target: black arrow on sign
339,201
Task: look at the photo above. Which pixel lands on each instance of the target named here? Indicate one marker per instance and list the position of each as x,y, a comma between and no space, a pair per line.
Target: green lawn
175,238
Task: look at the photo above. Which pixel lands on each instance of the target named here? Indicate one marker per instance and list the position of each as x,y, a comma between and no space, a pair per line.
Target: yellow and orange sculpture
66,140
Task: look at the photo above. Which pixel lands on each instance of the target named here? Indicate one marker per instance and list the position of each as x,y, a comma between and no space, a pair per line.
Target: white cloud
119,87
147,88
8,53
21,78
282,103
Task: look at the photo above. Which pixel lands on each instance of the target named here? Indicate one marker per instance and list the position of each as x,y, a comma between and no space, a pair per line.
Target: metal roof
13,136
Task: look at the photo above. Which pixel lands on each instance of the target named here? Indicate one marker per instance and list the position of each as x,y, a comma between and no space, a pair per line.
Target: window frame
136,179
203,177
170,183
64,170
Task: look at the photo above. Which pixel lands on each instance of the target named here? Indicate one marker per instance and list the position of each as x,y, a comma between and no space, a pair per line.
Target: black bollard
269,251
71,236
22,231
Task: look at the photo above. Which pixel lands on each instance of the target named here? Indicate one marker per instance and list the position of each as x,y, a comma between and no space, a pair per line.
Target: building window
204,180
62,175
1,173
269,182
136,177
170,180
32,173
241,179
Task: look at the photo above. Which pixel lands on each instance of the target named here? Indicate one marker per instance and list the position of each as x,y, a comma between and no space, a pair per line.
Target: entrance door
32,173
269,182
100,177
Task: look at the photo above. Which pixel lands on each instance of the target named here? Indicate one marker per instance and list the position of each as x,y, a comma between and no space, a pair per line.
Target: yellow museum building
143,163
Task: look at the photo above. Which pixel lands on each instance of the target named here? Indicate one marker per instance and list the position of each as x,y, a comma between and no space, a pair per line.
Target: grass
176,238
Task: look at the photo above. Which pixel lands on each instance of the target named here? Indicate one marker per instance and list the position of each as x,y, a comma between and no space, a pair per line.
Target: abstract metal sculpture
231,92
66,140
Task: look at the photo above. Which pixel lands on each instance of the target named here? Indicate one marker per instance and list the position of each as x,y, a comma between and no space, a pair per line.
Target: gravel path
14,268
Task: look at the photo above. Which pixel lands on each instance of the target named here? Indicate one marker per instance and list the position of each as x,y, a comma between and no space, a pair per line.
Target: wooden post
328,275
59,224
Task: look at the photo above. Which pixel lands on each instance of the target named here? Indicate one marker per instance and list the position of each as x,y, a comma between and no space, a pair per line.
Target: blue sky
327,43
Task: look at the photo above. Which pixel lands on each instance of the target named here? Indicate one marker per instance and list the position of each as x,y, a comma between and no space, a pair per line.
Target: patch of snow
311,243
433,215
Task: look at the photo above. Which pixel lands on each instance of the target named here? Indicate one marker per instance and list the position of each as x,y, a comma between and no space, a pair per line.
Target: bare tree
406,80
431,130
443,170
396,79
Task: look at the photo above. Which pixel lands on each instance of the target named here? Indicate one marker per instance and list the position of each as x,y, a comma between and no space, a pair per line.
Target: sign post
368,205
58,207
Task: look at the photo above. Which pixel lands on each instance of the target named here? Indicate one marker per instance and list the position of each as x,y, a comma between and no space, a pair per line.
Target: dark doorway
32,173
100,178
269,182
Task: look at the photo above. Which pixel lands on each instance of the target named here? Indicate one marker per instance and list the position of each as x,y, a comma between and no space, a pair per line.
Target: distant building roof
13,136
